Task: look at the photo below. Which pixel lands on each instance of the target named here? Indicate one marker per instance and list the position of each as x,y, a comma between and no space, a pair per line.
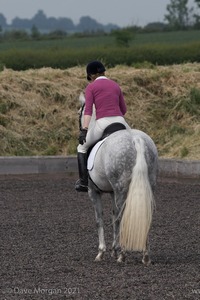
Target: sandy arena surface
49,242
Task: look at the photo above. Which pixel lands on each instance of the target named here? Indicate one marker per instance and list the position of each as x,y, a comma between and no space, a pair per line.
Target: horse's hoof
121,258
99,257
114,254
146,261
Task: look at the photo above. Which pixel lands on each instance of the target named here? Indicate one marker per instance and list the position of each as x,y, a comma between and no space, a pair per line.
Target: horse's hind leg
118,200
96,200
115,221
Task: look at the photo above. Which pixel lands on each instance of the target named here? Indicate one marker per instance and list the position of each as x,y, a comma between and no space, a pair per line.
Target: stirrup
79,187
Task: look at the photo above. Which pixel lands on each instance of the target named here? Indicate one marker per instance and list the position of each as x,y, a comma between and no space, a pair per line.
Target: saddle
111,129
94,148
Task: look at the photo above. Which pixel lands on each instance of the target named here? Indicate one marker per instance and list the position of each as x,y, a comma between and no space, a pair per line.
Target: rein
80,116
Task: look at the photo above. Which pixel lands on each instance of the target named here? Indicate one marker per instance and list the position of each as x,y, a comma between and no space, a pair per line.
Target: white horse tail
137,216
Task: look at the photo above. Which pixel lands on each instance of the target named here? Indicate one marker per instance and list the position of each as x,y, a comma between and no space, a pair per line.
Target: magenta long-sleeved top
107,97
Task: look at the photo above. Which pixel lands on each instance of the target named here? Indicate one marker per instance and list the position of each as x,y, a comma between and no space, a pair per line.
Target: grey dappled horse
126,167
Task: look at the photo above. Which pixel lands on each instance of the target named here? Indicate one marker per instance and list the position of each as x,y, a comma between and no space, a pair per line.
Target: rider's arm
86,121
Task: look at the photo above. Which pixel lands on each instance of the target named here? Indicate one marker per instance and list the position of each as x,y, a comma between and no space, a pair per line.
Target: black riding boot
82,183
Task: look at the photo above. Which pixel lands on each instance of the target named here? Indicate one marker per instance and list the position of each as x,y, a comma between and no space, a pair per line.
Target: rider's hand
82,136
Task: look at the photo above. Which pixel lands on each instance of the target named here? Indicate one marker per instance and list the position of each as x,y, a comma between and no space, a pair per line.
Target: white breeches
95,132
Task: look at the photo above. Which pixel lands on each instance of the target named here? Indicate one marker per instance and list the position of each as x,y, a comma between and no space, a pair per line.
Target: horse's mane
82,102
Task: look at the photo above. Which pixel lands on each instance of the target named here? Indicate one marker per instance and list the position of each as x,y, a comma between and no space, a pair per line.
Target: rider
110,106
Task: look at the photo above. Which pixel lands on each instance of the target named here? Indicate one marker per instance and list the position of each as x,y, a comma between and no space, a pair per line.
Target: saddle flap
90,162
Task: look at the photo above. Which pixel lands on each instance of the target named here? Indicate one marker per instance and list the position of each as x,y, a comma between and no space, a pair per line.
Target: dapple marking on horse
125,166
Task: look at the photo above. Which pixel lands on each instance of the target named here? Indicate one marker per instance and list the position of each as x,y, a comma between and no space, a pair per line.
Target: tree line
45,24
179,16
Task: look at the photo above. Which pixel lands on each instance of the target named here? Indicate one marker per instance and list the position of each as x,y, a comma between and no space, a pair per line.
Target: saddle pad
90,162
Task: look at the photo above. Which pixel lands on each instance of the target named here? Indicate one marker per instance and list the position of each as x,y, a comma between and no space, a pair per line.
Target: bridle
80,116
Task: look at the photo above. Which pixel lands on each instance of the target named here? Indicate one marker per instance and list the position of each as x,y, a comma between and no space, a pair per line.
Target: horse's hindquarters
100,180
114,162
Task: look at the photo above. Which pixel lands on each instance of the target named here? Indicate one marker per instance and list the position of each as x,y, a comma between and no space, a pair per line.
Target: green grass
173,38
153,49
67,43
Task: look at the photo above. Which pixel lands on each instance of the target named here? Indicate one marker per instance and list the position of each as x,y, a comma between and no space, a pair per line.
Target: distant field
174,38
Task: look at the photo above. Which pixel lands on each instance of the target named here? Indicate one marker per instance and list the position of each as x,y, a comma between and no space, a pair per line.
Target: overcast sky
119,12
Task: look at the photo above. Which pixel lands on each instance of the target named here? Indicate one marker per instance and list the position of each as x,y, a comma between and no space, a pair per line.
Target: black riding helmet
94,67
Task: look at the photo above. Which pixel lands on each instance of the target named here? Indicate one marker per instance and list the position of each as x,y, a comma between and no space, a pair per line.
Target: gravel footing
49,242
